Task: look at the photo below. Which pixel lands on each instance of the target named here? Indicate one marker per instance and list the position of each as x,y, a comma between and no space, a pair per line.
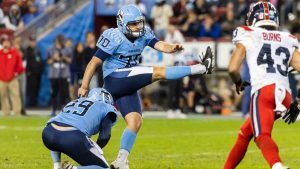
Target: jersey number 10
266,50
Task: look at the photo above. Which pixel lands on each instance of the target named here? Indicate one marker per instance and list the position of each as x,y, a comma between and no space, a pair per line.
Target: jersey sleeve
151,39
113,110
294,41
241,35
107,44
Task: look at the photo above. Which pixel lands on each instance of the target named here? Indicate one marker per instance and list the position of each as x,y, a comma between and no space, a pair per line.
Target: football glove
240,86
292,114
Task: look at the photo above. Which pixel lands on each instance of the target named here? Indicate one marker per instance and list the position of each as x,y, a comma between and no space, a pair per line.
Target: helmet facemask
139,25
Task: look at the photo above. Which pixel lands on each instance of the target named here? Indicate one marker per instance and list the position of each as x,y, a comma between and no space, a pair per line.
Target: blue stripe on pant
75,144
255,114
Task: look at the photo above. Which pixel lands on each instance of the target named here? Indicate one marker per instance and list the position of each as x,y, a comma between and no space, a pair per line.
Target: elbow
233,69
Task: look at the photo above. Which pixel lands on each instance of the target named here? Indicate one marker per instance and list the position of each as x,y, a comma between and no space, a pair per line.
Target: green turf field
201,143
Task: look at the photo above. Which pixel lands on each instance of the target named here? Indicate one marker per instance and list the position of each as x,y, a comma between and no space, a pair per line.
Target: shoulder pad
246,28
113,34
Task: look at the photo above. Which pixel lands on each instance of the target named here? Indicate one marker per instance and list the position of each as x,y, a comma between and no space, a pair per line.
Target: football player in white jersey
268,53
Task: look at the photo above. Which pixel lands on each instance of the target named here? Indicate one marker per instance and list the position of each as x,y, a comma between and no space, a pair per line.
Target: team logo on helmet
130,14
262,14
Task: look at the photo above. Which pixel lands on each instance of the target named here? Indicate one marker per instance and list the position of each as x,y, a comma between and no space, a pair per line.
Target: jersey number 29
84,105
266,50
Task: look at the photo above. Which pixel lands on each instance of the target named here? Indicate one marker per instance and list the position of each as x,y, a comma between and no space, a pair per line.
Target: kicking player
268,53
120,49
70,131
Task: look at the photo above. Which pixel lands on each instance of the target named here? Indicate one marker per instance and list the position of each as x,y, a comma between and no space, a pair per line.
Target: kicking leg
176,72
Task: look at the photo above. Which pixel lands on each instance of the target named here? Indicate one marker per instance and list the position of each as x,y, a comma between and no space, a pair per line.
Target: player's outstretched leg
176,72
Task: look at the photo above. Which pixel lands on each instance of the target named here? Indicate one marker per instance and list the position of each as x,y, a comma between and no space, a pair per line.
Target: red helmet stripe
266,10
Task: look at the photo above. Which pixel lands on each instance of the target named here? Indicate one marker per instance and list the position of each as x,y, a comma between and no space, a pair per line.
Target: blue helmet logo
100,94
130,14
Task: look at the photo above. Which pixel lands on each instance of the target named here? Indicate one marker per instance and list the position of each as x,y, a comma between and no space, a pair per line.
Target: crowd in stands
206,18
15,14
172,20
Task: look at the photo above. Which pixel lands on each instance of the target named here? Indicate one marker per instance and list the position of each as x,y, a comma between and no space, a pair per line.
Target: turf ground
194,143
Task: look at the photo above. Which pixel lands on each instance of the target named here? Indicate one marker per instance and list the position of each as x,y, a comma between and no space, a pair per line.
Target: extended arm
88,74
105,129
168,47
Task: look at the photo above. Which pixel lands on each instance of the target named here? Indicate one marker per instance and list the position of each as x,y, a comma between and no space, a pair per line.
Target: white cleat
279,165
180,115
171,114
119,164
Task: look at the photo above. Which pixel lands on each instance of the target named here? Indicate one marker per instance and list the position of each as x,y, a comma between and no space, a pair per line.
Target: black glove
292,114
240,86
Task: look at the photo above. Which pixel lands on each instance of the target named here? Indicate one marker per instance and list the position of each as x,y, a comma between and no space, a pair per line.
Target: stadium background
197,137
74,19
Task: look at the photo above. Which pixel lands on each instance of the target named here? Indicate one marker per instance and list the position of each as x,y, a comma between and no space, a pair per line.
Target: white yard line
206,153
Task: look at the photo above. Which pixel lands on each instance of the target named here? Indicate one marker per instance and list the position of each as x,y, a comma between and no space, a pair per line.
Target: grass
196,143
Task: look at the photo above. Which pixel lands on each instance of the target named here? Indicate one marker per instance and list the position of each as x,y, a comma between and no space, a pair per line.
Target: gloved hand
240,86
292,114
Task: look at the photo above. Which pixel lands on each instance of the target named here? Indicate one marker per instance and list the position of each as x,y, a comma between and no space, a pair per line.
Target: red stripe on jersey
292,36
266,10
246,28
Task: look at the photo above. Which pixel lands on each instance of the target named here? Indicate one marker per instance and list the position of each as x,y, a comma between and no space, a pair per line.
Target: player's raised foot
119,164
68,165
208,60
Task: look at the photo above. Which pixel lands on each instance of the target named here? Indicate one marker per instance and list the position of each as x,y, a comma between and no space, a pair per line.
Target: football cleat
119,164
208,60
67,165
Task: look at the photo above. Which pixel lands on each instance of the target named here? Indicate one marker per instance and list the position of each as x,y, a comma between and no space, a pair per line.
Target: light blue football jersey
84,114
123,53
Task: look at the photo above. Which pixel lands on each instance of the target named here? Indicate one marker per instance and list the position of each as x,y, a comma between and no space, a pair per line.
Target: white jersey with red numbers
268,54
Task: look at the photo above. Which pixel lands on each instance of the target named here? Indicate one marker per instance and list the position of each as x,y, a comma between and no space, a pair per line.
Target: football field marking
206,153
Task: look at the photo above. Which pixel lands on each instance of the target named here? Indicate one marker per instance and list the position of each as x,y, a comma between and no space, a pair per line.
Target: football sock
57,165
127,141
177,72
238,152
55,156
268,148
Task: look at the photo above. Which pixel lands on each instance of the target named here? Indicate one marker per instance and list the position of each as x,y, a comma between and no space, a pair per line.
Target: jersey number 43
266,50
